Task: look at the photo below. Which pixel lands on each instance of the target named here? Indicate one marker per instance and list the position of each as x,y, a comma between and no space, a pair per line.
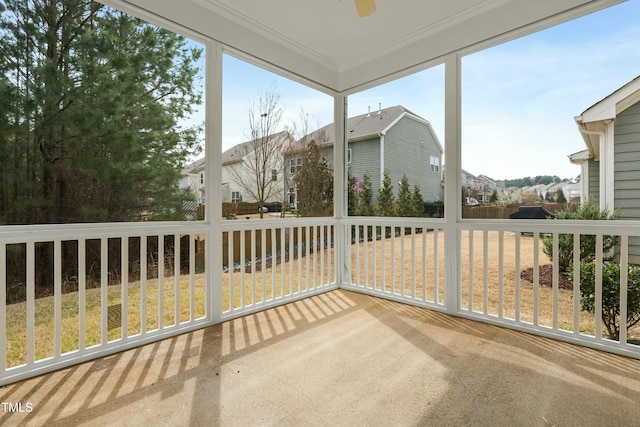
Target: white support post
340,190
452,189
213,176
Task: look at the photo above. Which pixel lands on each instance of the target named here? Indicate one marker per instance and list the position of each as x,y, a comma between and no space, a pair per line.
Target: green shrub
588,211
610,294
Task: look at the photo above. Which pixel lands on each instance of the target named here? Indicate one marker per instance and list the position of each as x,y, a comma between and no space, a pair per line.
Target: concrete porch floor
340,359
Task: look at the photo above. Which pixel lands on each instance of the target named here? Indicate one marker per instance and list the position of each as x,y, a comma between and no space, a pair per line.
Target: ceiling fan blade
365,7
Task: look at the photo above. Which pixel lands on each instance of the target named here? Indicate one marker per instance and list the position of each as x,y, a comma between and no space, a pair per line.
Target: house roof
193,167
328,44
594,120
367,126
232,155
240,151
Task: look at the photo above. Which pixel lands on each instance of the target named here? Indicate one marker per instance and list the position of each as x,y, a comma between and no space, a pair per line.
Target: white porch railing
161,286
71,293
97,307
403,260
270,263
495,253
398,259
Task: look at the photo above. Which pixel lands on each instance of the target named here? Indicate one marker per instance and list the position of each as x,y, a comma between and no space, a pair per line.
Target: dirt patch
546,277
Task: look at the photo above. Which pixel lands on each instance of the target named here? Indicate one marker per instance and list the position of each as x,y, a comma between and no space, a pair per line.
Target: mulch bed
546,277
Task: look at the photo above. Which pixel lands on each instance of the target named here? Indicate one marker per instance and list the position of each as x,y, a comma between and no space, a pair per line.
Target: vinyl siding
408,146
594,181
365,158
627,171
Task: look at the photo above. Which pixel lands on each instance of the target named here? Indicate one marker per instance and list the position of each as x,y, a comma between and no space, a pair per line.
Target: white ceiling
326,42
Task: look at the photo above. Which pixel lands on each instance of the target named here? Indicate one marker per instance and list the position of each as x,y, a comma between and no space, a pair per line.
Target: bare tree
260,166
307,169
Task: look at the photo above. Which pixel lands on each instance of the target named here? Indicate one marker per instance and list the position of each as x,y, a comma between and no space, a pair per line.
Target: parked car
271,207
275,207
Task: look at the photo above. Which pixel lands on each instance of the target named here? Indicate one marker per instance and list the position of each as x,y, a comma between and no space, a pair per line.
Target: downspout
381,136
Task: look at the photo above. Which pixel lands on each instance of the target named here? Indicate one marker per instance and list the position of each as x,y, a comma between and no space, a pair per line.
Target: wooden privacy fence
503,211
228,209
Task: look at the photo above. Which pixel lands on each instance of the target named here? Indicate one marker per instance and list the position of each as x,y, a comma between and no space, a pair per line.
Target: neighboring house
610,166
238,179
392,139
480,187
193,178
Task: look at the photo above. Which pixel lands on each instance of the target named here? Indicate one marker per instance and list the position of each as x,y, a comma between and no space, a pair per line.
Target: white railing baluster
393,260
485,268
402,263
471,265
231,265
143,285
299,263
598,306
307,239
436,268
160,282
365,243
274,265
374,257
536,278
383,267
124,266
323,248
517,278
424,264
31,305
57,298
104,289
192,277
291,259
413,262
555,278
3,308
624,277
263,263
82,294
576,283
176,279
243,265
501,275
283,264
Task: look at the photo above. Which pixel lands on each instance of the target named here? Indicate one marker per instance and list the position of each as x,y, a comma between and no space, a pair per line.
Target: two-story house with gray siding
393,139
610,166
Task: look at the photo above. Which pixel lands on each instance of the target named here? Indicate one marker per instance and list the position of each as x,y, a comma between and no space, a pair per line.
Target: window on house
434,164
274,174
349,155
295,165
236,196
201,178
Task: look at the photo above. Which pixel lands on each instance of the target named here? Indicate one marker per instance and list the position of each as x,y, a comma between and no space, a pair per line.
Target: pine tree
98,96
494,197
405,202
385,197
365,208
560,197
418,202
